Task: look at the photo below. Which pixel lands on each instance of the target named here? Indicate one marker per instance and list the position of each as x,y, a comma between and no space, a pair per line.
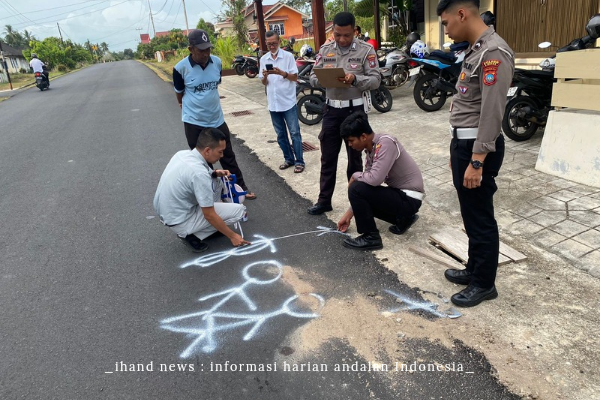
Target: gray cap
199,39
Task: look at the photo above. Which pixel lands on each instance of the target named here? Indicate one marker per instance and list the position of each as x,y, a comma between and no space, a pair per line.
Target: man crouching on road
386,162
185,197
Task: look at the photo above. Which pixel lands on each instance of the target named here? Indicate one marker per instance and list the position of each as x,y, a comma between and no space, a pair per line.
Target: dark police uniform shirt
483,84
200,105
360,59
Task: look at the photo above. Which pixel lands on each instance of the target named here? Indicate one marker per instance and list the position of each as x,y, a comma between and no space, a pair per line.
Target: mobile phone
269,67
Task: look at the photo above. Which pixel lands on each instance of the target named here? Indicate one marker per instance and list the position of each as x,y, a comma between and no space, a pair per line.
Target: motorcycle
239,62
393,66
41,80
435,77
249,67
530,95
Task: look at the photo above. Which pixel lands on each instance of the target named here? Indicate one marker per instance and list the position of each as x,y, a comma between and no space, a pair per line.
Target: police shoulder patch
463,89
318,58
490,71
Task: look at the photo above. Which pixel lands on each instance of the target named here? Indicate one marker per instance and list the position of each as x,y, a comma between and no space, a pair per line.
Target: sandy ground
540,335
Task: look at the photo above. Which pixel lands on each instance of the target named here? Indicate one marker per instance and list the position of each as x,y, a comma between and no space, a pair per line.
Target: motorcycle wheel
402,73
239,69
382,99
426,96
307,116
515,127
250,72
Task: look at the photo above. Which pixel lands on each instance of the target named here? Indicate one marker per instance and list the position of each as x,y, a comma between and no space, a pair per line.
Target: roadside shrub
62,68
23,71
226,49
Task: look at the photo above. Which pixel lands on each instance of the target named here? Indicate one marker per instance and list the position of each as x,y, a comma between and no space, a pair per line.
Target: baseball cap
199,39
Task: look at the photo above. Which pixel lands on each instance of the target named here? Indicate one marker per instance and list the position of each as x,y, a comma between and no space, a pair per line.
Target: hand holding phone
269,67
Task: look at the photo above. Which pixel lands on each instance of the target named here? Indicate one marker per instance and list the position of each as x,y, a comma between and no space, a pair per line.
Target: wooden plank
511,253
434,257
456,243
577,64
576,94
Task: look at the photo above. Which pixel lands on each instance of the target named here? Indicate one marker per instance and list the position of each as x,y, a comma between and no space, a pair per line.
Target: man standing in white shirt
279,73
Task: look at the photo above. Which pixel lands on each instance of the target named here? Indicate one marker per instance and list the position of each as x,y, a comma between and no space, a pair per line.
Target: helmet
373,43
33,55
412,38
488,18
419,49
306,50
593,27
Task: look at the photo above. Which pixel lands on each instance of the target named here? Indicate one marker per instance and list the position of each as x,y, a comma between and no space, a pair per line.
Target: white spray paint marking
256,246
422,306
204,324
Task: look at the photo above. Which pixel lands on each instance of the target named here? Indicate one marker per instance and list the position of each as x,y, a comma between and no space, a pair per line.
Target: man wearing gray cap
196,79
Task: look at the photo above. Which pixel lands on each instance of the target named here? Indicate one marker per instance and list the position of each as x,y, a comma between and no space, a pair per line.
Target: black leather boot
366,241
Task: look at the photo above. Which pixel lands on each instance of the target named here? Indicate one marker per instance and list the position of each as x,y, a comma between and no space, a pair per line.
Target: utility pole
3,61
345,5
60,33
187,27
152,19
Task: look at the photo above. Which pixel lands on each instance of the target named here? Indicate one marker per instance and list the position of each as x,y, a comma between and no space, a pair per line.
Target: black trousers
388,204
477,209
331,143
228,160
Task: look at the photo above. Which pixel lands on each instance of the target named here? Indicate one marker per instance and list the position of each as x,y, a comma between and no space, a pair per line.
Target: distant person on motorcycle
38,66
196,79
477,147
279,73
387,162
359,61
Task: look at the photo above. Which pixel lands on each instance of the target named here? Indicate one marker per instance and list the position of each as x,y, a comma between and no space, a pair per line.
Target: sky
116,22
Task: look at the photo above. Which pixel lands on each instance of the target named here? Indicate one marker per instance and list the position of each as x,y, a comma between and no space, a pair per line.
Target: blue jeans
289,118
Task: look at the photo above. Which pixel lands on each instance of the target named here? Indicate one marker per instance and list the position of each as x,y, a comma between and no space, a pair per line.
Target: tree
15,38
300,5
104,47
208,27
234,11
128,54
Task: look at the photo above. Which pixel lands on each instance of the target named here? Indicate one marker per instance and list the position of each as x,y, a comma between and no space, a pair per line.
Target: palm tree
104,47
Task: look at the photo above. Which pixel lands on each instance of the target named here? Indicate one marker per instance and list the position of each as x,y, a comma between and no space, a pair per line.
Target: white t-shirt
281,92
37,65
185,185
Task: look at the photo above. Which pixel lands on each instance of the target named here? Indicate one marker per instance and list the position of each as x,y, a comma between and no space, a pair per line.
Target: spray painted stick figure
212,326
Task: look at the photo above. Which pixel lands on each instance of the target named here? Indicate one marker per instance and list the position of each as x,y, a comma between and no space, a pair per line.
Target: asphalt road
91,282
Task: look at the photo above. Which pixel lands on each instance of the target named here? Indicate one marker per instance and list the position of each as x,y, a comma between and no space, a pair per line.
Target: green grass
20,80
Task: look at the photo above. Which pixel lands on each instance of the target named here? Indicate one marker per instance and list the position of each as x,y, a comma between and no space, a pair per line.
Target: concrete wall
571,146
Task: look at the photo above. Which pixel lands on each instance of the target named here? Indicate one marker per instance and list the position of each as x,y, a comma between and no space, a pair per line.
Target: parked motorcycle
393,66
530,94
239,62
435,76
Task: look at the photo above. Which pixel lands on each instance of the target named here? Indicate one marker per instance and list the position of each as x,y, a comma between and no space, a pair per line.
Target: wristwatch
476,164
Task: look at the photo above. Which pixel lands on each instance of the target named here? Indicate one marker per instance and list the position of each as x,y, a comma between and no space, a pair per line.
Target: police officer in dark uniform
359,61
477,147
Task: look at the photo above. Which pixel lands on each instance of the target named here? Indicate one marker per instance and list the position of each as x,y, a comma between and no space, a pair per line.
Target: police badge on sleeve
372,60
490,71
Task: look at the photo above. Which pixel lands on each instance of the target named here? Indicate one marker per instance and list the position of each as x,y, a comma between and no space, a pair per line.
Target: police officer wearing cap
477,146
359,61
196,79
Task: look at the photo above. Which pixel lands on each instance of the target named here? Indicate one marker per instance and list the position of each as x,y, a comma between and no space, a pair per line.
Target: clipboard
328,77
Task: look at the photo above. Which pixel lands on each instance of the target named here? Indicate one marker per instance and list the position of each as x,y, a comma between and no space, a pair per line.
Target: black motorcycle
530,95
435,77
41,80
239,62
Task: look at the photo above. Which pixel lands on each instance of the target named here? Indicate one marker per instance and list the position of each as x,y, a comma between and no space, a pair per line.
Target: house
524,24
285,20
15,61
145,37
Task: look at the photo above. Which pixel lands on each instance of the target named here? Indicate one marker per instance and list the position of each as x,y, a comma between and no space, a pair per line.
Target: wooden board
509,252
456,243
433,257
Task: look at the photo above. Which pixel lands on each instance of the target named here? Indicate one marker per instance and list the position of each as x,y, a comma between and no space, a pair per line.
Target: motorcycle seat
535,73
443,58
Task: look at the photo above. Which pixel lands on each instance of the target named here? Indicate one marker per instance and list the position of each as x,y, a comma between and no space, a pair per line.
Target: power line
52,17
176,15
114,33
163,6
168,12
47,9
8,7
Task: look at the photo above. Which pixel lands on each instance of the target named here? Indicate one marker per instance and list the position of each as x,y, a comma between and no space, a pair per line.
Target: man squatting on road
188,196
359,61
386,162
477,147
196,79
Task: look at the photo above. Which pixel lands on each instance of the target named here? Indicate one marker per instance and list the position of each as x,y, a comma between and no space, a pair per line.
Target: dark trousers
477,209
228,160
331,143
388,204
